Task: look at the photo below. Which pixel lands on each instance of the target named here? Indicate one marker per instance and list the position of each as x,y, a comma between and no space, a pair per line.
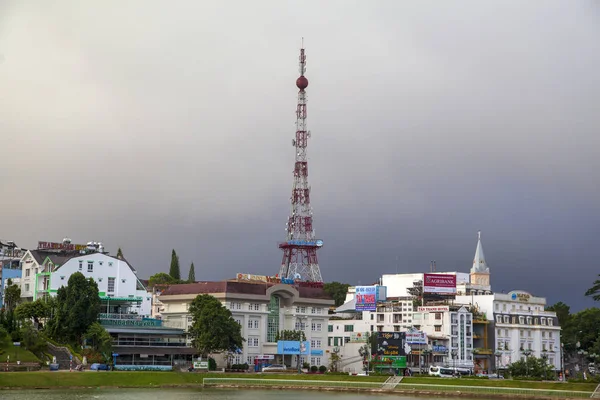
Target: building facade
520,326
263,310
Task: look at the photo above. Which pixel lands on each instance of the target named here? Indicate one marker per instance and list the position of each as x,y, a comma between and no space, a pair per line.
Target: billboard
416,337
61,246
366,298
293,347
391,344
433,309
439,284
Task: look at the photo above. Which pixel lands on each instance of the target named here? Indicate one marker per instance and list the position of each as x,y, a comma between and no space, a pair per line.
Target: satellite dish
297,276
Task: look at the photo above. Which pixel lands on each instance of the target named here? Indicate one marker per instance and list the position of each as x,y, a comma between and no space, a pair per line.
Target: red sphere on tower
302,82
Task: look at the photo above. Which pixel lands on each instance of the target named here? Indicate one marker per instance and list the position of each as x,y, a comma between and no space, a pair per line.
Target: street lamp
545,358
582,354
498,354
527,353
300,319
562,361
454,355
426,354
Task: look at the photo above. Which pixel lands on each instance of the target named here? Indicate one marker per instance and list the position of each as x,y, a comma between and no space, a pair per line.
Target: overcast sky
154,125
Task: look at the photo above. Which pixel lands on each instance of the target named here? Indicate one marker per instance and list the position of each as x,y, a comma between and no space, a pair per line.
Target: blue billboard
293,347
366,298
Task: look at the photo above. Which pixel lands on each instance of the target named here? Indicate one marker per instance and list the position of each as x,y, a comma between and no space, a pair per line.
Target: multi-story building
520,326
10,268
263,310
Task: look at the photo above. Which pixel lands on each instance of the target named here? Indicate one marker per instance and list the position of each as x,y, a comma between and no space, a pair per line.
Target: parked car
275,368
99,367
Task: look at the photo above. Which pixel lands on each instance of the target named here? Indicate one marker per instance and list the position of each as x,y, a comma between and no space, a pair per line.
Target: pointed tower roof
479,264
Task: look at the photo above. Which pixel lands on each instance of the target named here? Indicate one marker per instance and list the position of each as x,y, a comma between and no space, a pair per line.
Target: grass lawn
584,387
16,353
154,379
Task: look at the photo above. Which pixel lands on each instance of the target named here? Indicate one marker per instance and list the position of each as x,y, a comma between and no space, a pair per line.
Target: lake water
190,394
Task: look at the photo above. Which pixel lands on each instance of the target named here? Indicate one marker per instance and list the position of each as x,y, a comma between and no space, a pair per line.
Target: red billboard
439,284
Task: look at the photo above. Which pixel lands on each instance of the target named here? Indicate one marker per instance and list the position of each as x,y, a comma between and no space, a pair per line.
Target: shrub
322,369
314,368
306,365
212,364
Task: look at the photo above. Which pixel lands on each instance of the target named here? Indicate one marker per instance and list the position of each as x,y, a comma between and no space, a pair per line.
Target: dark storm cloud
152,126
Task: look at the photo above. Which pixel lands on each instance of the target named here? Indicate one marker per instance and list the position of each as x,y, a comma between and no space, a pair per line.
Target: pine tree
192,274
120,254
174,270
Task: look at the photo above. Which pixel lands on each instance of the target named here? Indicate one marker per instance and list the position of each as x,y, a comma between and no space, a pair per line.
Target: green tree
99,339
213,328
12,296
78,306
337,291
532,367
4,337
162,279
192,274
120,254
291,335
174,269
35,310
594,291
562,313
31,339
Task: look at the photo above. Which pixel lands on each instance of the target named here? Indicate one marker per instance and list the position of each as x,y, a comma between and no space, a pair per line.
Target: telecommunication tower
300,248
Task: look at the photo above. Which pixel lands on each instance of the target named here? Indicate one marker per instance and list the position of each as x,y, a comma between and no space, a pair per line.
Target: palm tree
594,291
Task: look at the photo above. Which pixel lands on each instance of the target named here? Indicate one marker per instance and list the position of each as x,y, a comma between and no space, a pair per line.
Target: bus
448,372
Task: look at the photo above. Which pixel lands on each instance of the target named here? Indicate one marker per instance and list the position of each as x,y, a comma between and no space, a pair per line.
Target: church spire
479,264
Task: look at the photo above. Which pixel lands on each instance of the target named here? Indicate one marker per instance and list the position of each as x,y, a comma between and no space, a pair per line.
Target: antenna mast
300,249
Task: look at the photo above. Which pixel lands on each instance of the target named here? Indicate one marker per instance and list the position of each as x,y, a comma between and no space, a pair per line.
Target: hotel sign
60,246
433,309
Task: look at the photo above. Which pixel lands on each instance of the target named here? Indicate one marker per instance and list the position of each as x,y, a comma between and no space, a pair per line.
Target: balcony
150,342
110,319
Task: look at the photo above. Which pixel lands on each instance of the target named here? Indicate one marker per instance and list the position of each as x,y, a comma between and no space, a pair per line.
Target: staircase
63,356
391,382
596,394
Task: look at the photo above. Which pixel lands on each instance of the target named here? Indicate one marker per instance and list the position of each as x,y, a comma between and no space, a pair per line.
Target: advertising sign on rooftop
439,284
366,298
61,246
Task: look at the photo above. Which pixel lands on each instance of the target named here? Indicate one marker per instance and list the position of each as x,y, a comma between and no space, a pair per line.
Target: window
110,263
497,307
316,327
253,323
499,319
27,272
543,321
235,306
346,339
27,287
90,266
62,278
550,322
252,341
329,328
238,320
273,319
111,285
80,265
503,307
528,333
253,306
499,332
438,315
348,328
521,320
315,361
250,360
521,333
100,262
528,320
301,310
300,326
550,335
438,328
315,344
506,319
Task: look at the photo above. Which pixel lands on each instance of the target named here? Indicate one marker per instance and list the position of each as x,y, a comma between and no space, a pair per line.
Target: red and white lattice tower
300,250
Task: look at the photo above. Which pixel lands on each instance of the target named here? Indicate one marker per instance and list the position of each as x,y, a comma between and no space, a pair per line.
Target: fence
402,386
292,383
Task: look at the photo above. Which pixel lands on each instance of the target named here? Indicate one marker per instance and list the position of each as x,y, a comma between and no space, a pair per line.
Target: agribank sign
439,283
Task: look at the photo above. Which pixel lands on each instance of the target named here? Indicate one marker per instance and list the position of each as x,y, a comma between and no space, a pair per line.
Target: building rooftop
208,287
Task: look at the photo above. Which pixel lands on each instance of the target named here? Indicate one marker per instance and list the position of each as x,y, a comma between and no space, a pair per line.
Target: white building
520,325
44,272
263,310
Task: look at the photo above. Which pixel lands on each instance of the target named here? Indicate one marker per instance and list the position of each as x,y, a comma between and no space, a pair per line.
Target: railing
291,382
150,342
403,386
142,322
